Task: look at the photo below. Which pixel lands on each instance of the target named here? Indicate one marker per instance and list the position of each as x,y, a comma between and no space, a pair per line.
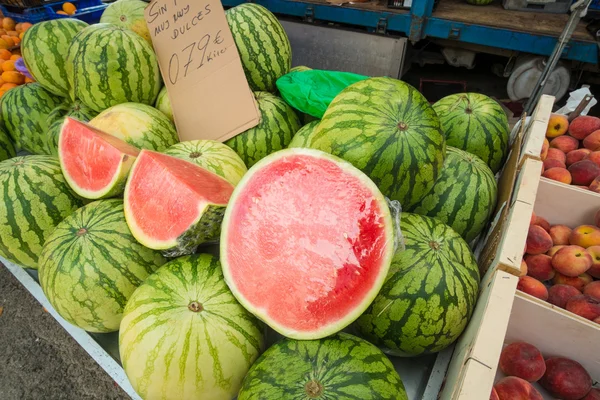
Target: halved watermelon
306,243
94,163
174,205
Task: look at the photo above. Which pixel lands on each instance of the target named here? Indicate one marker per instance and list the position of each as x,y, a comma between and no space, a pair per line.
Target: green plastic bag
312,91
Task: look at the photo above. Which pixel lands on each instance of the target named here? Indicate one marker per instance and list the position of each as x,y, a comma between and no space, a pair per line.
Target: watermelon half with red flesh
95,164
306,242
174,205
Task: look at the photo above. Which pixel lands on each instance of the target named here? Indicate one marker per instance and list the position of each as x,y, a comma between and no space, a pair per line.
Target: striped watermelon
300,68
387,129
184,336
91,264
36,199
213,156
302,137
464,196
262,43
430,292
475,123
139,125
163,104
278,124
108,65
128,14
44,48
340,367
57,118
7,148
25,110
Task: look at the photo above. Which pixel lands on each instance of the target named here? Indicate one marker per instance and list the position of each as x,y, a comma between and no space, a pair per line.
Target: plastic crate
26,3
89,11
595,5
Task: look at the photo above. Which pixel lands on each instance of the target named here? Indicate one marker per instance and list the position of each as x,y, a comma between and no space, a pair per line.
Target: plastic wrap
396,211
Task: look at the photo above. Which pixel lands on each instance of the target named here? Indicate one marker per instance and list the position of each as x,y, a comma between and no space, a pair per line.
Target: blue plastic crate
595,5
89,11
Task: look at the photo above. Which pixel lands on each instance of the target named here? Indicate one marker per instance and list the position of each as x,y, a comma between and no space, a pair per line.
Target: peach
539,221
539,266
514,388
583,125
554,249
578,282
592,142
597,218
556,154
594,157
577,155
522,360
532,287
559,175
553,163
571,261
538,240
594,394
584,172
545,147
559,295
565,144
523,268
585,306
592,289
560,234
595,185
558,126
566,379
534,218
594,270
585,236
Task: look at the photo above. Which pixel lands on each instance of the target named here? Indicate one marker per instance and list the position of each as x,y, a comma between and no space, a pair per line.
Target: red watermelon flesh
306,243
94,163
174,205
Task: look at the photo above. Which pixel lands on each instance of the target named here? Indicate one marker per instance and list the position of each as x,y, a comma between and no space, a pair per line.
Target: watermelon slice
174,205
94,163
306,243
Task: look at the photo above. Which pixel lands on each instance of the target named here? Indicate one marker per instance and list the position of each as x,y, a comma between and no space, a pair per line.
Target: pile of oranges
11,35
68,9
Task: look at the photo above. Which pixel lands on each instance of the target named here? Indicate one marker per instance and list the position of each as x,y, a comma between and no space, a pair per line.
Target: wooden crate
535,131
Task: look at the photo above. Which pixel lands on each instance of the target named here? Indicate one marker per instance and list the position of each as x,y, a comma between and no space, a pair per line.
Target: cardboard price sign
202,69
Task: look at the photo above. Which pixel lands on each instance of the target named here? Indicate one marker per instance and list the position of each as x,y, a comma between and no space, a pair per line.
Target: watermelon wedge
95,164
306,242
174,205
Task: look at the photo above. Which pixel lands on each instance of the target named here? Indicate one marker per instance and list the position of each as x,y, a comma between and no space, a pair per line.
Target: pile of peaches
523,364
571,152
560,264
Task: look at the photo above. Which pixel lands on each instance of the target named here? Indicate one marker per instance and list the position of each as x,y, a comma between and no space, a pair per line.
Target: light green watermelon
163,103
7,148
91,264
57,117
477,124
184,336
302,137
44,48
429,294
277,126
128,14
36,199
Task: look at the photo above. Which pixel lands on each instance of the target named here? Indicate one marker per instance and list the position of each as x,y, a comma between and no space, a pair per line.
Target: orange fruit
3,32
17,41
13,33
2,82
25,26
18,27
62,13
21,35
69,8
8,40
13,77
3,44
8,66
2,93
9,24
5,54
29,80
7,86
16,57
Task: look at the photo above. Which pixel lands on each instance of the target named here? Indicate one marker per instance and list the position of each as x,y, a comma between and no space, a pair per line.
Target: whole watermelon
44,48
213,156
302,137
278,124
464,196
477,124
184,336
163,103
57,117
262,43
36,199
429,294
25,110
139,125
128,14
7,148
108,65
91,264
387,129
340,367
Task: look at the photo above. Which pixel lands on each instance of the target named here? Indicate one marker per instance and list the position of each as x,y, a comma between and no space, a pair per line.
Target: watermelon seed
81,232
195,154
434,245
402,126
313,389
195,306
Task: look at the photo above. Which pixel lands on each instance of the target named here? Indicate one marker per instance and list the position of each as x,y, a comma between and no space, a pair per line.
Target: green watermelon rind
7,148
163,104
385,259
117,13
57,118
303,136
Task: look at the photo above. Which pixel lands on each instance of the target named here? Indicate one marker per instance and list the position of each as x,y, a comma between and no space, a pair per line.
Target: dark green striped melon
184,336
163,104
140,125
128,14
36,198
464,196
44,48
57,117
263,45
108,65
475,123
302,137
91,264
429,294
7,148
339,367
300,68
25,110
277,126
387,129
